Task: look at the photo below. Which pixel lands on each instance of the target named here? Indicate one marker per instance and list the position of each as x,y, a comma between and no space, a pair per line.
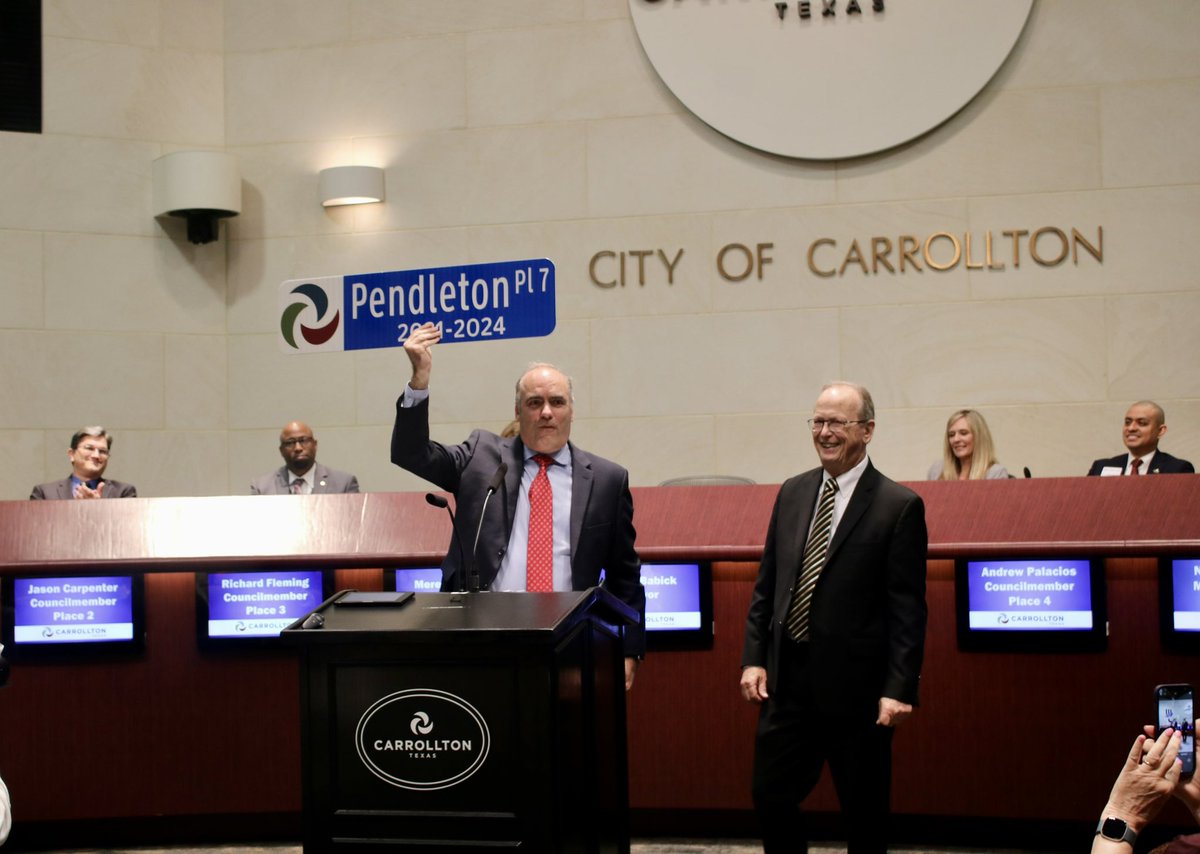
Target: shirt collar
847,480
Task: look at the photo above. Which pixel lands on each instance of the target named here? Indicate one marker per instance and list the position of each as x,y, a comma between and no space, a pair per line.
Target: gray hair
95,431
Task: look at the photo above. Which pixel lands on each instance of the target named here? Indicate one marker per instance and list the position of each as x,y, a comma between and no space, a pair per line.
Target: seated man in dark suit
89,453
301,474
560,514
1145,424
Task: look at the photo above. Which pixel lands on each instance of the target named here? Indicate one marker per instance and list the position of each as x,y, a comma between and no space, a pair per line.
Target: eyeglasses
300,440
93,449
835,425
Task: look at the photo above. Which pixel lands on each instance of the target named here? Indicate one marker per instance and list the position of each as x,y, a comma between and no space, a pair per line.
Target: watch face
1114,828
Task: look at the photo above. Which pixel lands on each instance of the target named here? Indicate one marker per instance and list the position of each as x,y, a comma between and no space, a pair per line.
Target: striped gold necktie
810,567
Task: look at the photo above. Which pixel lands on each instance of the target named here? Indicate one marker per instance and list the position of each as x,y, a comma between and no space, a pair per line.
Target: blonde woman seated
967,452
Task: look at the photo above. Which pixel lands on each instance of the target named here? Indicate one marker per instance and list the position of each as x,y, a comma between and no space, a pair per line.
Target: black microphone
1027,474
493,485
438,501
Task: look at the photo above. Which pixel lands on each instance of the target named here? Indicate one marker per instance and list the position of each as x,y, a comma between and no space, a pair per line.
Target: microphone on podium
493,485
438,501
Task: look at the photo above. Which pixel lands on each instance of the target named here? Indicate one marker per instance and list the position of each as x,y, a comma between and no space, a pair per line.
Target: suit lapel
581,491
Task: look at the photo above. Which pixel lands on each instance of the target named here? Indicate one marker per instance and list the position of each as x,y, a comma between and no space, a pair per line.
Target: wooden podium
464,722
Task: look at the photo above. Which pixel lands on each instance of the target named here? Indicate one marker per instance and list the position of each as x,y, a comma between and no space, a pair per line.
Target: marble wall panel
373,19
280,194
280,24
148,93
652,449
708,363
102,282
1003,142
1037,351
193,25
131,22
1148,133
76,184
677,164
479,177
63,380
22,291
1153,349
268,388
196,371
1085,42
593,70
171,462
769,447
22,458
399,86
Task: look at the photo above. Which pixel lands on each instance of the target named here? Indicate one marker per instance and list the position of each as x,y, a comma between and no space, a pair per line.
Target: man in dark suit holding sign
559,514
836,631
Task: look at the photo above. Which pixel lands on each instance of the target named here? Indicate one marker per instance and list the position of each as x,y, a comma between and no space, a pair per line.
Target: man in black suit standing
1145,424
559,516
89,454
835,634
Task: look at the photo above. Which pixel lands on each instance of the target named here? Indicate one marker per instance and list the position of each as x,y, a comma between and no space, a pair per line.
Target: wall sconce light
351,185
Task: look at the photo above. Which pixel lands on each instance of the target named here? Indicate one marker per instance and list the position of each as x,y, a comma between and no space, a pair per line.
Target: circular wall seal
422,739
826,79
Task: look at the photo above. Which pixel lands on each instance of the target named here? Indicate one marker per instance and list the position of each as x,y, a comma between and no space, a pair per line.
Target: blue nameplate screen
1185,583
672,596
87,609
1029,595
420,580
472,302
260,604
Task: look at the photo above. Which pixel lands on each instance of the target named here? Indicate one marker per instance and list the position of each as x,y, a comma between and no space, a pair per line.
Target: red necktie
539,557
1137,464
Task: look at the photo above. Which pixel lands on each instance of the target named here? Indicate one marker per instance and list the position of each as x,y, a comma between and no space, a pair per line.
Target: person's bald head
545,408
298,447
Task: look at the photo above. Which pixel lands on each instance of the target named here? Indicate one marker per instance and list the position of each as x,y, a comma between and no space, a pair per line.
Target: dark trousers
796,737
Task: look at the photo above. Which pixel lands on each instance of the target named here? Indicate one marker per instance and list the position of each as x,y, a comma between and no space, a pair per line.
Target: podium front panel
465,740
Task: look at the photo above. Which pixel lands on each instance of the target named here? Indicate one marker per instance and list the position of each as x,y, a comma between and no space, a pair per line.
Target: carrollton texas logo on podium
422,739
823,79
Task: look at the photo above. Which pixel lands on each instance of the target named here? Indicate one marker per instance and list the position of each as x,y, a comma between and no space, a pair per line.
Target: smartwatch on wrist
1116,830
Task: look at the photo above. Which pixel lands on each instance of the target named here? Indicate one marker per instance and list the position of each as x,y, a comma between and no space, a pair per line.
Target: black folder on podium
456,722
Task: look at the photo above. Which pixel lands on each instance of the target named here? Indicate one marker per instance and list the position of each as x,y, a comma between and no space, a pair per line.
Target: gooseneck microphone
438,501
493,485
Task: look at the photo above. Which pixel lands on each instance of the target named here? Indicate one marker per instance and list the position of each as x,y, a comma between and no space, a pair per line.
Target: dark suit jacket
867,623
62,489
327,481
602,533
1162,463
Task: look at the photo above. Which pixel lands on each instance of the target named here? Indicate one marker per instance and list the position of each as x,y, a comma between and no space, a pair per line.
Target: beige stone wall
523,128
